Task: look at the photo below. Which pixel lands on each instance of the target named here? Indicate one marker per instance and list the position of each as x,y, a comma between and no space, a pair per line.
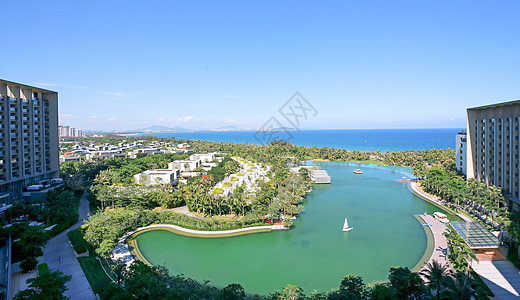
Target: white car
35,187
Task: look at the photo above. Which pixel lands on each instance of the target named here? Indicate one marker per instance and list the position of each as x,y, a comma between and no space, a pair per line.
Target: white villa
151,177
185,165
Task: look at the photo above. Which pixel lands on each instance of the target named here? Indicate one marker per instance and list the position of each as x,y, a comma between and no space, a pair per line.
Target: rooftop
508,103
475,234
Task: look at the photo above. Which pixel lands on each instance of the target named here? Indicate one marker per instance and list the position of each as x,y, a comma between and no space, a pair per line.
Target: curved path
59,248
440,248
438,201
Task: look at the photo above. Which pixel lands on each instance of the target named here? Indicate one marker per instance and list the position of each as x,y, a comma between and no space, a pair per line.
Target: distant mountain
155,128
228,127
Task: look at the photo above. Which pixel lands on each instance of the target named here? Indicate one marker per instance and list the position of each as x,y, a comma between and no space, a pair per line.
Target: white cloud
185,119
112,119
451,119
113,95
230,96
94,117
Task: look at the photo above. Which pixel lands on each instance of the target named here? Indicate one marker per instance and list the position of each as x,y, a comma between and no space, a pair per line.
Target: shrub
77,241
227,184
28,264
43,269
234,178
218,191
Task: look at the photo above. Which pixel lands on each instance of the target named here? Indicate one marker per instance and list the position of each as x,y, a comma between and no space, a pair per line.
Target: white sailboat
346,227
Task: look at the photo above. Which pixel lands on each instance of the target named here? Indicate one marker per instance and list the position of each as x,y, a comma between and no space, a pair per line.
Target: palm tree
462,286
435,275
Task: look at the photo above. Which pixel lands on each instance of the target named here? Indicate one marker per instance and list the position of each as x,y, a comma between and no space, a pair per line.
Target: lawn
97,278
79,244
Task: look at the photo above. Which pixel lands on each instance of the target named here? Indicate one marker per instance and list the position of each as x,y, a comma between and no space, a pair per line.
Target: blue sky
120,65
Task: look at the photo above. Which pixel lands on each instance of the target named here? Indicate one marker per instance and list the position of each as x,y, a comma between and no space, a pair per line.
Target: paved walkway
59,247
437,200
19,280
440,247
501,276
183,210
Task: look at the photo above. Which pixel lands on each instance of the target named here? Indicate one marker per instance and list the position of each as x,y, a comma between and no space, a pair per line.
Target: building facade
68,131
29,149
493,147
461,151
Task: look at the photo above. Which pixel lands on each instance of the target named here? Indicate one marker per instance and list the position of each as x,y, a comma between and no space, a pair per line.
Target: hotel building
460,156
28,138
493,147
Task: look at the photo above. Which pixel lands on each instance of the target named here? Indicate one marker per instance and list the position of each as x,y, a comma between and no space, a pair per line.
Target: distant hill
155,128
228,127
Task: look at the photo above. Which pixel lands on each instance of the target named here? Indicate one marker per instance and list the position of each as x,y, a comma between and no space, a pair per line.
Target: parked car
35,187
45,183
56,181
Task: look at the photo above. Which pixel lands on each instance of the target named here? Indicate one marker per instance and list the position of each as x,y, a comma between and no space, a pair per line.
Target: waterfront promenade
419,192
501,276
440,246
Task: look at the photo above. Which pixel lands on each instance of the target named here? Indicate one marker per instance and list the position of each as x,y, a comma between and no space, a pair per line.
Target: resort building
493,147
185,165
460,153
207,157
318,176
29,149
152,177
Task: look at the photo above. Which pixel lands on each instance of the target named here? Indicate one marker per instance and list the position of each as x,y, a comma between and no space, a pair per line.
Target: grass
97,278
108,267
79,244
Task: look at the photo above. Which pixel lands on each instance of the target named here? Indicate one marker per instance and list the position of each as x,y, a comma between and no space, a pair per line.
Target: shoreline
417,190
127,251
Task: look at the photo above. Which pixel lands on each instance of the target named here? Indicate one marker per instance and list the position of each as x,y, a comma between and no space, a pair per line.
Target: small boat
346,227
358,171
441,217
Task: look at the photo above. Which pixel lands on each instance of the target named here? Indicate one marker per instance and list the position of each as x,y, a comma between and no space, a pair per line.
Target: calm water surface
351,139
315,253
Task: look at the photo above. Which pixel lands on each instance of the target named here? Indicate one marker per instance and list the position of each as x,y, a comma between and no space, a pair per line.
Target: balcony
11,99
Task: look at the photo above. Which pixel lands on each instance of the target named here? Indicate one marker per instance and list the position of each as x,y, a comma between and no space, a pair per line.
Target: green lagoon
315,253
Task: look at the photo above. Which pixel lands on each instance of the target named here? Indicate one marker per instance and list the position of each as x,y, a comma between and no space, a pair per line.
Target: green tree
354,284
233,291
47,286
436,275
405,284
380,291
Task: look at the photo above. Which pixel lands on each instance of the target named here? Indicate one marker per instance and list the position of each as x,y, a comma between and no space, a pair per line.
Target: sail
346,227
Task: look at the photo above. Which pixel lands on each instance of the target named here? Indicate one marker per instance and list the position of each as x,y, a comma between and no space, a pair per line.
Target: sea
349,139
